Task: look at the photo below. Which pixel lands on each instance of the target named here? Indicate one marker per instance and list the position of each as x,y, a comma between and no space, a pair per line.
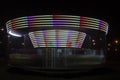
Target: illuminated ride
56,42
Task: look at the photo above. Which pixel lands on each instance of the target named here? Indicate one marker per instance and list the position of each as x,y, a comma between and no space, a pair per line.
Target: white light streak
14,34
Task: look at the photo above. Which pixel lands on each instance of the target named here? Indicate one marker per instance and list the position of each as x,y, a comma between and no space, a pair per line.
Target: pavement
111,72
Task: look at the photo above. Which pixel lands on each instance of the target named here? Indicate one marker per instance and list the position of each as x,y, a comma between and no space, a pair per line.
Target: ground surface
112,72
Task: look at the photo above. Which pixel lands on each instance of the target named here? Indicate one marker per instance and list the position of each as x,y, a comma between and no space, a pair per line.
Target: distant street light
8,36
116,41
94,44
23,43
100,39
115,49
2,29
93,40
109,44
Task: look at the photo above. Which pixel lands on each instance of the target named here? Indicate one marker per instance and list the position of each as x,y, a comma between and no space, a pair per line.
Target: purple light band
30,20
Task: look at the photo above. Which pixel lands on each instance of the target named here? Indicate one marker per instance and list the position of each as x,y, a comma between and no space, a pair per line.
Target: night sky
106,11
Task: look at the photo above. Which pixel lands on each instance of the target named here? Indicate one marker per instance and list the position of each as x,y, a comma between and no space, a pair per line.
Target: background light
109,44
116,41
93,40
94,44
2,29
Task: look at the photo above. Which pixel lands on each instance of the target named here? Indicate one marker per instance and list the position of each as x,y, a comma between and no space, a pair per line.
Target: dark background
107,11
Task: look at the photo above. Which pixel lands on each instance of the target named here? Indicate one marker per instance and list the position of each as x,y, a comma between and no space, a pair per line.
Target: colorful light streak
57,38
57,20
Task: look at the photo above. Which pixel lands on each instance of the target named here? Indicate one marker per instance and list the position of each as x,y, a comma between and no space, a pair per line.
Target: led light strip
57,38
57,20
14,34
